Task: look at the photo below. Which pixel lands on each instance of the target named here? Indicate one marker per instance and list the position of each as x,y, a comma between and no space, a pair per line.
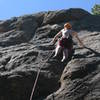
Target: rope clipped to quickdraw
37,77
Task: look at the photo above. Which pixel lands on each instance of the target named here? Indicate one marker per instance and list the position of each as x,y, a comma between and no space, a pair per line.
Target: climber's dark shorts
66,43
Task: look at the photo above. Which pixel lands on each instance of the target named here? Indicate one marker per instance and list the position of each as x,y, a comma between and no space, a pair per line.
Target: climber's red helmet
68,26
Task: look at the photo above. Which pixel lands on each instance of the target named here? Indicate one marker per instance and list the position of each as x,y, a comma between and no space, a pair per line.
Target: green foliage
96,9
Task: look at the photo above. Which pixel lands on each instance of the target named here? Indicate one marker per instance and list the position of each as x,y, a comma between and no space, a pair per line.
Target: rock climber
66,42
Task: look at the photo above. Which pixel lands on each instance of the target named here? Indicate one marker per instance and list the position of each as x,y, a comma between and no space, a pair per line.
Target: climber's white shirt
66,33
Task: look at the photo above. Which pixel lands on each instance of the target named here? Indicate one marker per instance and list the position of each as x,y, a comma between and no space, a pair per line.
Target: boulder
25,48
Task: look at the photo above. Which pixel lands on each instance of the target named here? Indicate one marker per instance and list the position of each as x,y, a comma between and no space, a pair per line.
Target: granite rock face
80,78
25,48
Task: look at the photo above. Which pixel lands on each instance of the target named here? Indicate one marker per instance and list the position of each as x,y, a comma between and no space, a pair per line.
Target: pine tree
96,9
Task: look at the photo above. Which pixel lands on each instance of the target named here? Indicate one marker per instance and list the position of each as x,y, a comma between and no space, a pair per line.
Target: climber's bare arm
76,36
56,37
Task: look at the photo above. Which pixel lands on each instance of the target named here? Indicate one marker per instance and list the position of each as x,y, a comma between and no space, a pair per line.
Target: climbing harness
38,73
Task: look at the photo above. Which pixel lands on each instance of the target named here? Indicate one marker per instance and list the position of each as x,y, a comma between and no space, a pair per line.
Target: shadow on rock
97,54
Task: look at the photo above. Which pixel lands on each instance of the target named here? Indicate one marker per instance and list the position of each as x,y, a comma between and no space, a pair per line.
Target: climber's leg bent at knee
65,55
57,50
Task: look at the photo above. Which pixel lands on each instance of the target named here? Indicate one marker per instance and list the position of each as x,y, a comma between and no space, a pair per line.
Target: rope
37,77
